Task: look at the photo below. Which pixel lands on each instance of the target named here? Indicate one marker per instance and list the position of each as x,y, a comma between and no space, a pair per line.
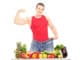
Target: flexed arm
21,21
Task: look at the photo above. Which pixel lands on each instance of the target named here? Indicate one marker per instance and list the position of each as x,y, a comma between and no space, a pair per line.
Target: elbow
14,21
56,37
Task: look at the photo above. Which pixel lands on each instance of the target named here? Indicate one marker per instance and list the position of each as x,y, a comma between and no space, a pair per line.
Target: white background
65,15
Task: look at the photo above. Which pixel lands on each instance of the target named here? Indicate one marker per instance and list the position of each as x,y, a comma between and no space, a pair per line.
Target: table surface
44,59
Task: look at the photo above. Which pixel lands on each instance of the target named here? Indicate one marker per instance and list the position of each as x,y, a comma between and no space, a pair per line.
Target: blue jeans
39,47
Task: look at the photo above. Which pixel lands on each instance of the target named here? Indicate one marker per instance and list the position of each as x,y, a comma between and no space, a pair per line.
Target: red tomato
51,56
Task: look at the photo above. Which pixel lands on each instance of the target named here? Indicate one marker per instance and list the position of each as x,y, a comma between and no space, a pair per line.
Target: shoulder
49,20
30,19
47,17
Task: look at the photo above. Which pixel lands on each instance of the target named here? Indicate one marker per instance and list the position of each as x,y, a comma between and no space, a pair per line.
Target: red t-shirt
39,27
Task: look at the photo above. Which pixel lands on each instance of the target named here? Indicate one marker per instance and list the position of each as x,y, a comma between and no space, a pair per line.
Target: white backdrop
65,15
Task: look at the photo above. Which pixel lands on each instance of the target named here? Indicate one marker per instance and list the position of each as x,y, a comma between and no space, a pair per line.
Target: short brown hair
40,4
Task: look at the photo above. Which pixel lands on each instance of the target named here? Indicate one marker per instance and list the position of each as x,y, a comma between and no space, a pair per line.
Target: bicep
50,24
22,21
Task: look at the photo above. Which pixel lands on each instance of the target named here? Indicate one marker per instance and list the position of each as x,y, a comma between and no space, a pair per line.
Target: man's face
39,9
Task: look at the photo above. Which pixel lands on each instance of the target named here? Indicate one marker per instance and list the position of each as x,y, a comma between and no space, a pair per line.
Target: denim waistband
44,41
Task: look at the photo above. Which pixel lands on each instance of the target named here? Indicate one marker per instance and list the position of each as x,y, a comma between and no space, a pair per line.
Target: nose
40,11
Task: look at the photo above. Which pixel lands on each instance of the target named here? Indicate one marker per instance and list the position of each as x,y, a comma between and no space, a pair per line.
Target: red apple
28,54
23,55
35,55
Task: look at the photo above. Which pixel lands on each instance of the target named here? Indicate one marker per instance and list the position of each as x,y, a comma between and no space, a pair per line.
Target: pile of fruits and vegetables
59,51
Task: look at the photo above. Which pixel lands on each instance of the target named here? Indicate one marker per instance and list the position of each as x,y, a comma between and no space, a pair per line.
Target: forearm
55,32
17,19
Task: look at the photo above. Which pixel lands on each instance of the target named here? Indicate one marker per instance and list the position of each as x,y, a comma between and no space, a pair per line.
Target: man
39,25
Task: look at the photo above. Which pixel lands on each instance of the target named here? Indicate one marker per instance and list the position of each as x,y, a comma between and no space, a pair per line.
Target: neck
38,16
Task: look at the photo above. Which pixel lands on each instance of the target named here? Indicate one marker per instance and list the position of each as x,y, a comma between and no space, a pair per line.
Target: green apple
44,55
60,56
